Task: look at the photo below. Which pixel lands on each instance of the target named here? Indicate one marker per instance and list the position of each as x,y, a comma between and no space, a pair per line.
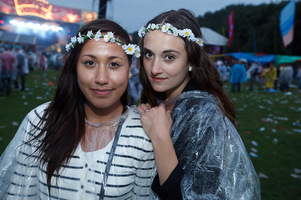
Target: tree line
256,28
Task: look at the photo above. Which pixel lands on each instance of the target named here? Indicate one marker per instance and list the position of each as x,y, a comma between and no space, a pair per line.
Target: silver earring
130,75
190,68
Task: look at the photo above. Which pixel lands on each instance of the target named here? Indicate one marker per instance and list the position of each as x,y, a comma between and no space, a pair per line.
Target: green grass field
269,125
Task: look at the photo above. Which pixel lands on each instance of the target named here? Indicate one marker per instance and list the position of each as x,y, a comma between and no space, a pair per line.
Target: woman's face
103,71
165,62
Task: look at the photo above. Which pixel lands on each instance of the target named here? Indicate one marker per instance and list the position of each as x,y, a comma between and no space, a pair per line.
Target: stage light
36,26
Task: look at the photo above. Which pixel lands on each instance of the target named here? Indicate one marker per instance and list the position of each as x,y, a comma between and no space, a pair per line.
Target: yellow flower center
130,49
186,33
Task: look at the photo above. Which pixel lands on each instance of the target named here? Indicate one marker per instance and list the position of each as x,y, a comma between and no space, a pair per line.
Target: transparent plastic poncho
210,151
114,161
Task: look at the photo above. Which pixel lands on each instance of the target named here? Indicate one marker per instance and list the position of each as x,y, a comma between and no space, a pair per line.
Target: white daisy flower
165,28
129,49
73,39
68,47
108,36
153,26
200,42
97,35
89,34
149,26
124,47
137,52
80,39
118,41
186,32
141,32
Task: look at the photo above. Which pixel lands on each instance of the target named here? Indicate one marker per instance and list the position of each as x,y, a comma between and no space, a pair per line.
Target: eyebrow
165,51
110,58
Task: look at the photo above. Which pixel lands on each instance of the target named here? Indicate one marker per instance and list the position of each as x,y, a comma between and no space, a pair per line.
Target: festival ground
269,124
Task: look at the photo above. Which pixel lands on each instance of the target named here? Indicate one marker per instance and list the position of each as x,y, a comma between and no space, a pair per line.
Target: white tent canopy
213,38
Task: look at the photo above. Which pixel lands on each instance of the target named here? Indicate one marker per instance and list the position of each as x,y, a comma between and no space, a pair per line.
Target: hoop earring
190,68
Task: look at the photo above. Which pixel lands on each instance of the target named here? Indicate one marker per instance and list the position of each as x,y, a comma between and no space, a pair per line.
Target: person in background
86,143
22,68
285,77
252,72
270,75
30,58
238,75
135,86
298,76
189,117
276,82
8,62
42,62
222,69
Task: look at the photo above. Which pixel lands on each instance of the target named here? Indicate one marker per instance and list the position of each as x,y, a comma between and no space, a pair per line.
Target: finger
148,106
140,109
169,114
144,107
162,105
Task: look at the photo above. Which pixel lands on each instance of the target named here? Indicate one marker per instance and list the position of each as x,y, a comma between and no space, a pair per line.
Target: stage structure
48,24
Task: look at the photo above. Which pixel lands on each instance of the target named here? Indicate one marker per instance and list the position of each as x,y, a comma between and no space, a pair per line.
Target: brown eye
169,57
114,64
89,63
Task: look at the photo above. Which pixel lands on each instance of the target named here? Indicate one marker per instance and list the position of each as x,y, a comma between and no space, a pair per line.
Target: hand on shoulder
156,121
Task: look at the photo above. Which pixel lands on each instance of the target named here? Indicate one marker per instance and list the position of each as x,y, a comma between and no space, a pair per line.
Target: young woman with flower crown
86,143
188,117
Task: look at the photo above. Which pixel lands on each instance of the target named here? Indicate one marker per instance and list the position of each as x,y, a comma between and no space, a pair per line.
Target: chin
158,89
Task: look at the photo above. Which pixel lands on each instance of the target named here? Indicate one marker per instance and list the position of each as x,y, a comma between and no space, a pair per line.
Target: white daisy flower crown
171,30
130,49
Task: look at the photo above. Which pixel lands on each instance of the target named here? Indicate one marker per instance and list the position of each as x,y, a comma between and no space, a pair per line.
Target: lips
102,92
158,79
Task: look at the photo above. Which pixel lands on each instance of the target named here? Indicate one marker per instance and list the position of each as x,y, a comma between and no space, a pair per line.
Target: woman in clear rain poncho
86,143
188,117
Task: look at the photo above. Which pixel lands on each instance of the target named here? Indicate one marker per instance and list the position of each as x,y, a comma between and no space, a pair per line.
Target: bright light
36,26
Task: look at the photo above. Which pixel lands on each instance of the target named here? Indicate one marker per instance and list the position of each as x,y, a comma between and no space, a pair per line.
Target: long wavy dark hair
203,73
63,123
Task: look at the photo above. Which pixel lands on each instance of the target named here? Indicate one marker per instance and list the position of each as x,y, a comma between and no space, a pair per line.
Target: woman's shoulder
198,98
132,126
196,104
36,114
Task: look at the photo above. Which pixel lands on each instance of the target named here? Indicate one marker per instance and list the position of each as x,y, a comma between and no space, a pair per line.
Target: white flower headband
171,30
130,49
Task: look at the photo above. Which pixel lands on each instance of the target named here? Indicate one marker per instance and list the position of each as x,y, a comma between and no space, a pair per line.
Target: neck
173,93
101,115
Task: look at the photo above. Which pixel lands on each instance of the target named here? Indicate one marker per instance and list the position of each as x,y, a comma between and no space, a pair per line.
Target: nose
101,75
156,67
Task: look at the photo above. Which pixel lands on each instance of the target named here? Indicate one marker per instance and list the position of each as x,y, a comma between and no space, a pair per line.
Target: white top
130,175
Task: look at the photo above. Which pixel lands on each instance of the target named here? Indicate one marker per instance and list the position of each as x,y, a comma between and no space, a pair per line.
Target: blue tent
263,59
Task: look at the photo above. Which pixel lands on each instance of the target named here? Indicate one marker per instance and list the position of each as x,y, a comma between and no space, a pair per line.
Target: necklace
113,122
98,125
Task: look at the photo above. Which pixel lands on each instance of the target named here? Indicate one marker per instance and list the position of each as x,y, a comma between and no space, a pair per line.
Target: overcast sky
132,14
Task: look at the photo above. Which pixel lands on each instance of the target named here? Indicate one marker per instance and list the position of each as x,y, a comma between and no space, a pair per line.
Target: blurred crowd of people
16,62
268,76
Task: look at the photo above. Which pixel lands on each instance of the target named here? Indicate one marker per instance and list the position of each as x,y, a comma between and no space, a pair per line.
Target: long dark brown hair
63,123
203,73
